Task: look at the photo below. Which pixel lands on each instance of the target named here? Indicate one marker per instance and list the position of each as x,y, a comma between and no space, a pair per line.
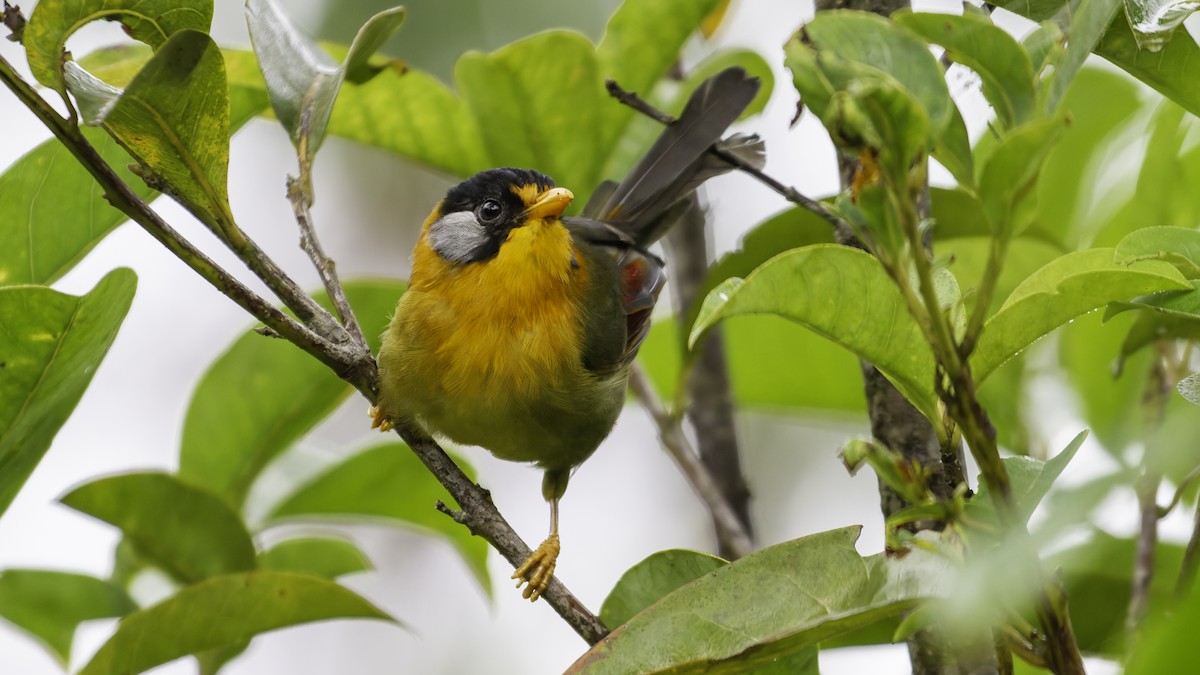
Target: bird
519,325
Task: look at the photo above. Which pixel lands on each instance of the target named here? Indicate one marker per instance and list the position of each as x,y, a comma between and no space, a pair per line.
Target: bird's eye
490,210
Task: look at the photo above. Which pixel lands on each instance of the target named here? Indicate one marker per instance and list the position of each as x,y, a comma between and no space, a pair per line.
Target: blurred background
627,502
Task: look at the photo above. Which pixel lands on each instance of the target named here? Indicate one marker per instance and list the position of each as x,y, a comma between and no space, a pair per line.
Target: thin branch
1143,564
791,194
352,365
676,444
326,268
284,287
481,517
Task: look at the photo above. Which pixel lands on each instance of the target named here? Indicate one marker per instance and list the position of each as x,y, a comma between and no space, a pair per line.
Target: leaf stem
301,200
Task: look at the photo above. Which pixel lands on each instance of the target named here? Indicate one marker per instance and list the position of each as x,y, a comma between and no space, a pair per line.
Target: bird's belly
511,383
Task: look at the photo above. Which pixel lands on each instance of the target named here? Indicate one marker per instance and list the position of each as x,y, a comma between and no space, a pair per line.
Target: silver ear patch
457,237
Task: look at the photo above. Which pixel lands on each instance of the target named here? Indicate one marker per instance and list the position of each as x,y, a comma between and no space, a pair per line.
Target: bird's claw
538,569
379,420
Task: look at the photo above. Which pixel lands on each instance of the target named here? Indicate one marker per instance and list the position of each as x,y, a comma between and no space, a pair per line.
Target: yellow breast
476,339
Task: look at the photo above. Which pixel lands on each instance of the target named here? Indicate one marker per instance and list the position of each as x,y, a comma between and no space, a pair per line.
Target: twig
350,364
791,194
326,268
1143,564
1154,402
481,517
676,444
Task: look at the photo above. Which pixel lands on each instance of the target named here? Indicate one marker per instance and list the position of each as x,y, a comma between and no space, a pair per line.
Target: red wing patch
642,279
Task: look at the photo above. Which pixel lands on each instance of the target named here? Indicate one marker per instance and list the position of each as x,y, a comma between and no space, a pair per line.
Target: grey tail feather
679,160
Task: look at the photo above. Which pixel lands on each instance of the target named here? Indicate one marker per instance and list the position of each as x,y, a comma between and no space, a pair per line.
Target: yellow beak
551,203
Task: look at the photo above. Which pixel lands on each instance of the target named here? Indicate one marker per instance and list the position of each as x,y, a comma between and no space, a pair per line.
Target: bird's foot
379,420
538,569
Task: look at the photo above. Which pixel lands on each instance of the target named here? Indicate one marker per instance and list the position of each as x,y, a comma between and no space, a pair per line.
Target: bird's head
477,215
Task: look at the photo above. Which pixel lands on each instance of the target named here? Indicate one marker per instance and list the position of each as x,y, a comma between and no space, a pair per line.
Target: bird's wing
618,324
642,279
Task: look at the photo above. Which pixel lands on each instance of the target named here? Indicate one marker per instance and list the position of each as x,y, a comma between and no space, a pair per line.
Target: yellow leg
379,420
538,568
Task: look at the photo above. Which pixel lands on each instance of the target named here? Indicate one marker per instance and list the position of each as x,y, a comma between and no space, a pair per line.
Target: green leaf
149,21
1098,576
1069,286
1044,45
1149,327
1109,399
1088,25
321,556
870,41
1005,72
643,39
401,110
1169,70
50,347
53,212
302,80
1178,304
968,259
262,395
222,611
519,91
646,582
174,119
1009,173
771,604
842,294
1189,388
1030,480
49,233
1154,21
784,231
1176,245
188,532
775,365
388,482
1101,103
51,605
953,150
